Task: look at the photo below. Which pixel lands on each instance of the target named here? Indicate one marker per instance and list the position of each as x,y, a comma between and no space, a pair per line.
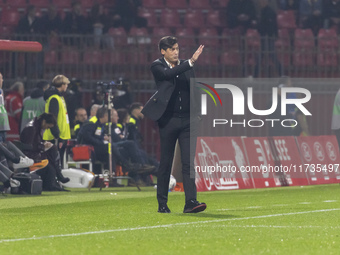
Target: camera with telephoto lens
107,86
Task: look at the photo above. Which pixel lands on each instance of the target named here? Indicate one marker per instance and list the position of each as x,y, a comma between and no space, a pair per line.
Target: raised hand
197,53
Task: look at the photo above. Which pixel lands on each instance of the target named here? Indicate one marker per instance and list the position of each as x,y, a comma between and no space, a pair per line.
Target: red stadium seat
161,31
214,19
10,17
283,41
62,3
286,19
137,31
220,3
40,3
158,33
70,57
87,4
283,47
153,4
17,3
119,36
302,58
185,37
327,39
231,58
284,34
201,4
5,31
303,38
51,57
231,38
115,57
194,19
177,4
210,58
139,36
170,18
253,40
208,37
327,59
304,52
93,57
150,16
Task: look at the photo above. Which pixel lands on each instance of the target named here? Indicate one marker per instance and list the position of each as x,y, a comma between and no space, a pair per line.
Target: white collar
178,62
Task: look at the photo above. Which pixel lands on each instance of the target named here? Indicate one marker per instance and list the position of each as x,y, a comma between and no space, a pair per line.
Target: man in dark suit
170,107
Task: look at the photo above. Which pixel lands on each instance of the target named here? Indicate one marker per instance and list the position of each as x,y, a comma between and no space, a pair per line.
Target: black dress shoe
193,206
163,209
64,179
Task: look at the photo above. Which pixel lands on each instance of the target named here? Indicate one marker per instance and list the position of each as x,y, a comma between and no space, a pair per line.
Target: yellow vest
132,120
94,119
62,120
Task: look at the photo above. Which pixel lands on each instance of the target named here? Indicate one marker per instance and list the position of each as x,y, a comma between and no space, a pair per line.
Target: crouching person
32,134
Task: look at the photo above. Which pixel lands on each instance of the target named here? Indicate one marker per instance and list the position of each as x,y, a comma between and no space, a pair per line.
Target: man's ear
162,52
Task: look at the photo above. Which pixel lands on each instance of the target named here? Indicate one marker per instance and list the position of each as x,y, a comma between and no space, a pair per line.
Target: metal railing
93,58
102,57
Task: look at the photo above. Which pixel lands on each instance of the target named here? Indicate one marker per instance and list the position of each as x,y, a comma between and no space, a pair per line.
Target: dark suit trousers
170,130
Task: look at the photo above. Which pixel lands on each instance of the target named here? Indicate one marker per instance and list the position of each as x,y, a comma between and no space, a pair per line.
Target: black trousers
5,173
173,129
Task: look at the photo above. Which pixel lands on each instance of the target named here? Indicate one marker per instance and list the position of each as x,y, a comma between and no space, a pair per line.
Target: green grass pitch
288,220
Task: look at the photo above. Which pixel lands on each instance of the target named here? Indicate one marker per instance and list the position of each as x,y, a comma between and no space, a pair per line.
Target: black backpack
30,183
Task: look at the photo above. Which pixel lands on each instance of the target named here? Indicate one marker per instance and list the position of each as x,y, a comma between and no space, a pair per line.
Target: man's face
45,125
138,113
105,119
81,115
171,54
64,87
114,117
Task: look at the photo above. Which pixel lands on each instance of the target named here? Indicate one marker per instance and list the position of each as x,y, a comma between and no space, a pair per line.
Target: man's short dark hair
101,112
167,42
79,108
42,84
48,117
135,106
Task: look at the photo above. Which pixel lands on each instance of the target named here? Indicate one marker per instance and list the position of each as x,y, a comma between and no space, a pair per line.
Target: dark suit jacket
165,82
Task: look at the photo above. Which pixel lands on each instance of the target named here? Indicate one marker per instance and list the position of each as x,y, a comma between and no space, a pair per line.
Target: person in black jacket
133,126
241,13
129,147
79,120
32,135
30,23
170,107
75,22
268,29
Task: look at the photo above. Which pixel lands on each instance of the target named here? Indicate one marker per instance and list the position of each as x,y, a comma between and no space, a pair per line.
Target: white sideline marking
162,226
272,226
305,203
